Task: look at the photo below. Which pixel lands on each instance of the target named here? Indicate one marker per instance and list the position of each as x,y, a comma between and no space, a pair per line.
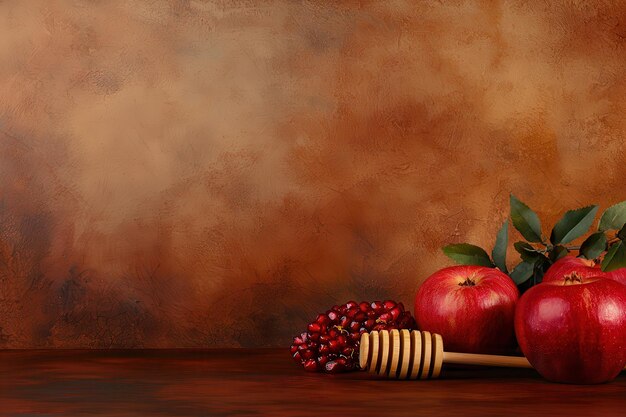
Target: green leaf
522,246
522,272
466,254
593,246
499,250
525,220
614,217
557,253
615,258
622,233
573,225
526,251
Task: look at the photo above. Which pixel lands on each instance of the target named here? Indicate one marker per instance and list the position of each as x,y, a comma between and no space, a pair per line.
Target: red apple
565,266
585,268
618,275
471,307
574,330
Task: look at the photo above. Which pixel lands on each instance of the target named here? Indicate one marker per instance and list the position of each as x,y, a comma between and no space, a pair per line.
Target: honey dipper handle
486,360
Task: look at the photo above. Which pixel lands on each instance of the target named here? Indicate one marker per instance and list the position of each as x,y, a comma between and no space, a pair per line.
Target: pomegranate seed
354,326
324,338
297,357
307,354
293,349
314,328
322,360
348,351
311,365
389,305
322,319
370,323
395,313
377,306
333,333
360,317
345,321
314,337
334,345
324,349
385,317
332,315
351,304
334,367
364,307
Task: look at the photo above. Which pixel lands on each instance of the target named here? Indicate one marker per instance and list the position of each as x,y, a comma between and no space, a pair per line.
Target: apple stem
467,283
573,278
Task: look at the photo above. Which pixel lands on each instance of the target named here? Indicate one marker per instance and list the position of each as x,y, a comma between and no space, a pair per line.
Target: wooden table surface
267,383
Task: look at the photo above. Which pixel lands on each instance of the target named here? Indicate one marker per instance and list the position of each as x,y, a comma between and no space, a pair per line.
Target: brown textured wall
214,173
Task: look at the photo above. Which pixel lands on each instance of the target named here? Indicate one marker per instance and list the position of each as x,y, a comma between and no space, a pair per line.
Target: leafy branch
606,245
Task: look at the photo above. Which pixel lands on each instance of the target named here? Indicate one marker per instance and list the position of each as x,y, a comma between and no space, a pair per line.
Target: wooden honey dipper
419,355
405,354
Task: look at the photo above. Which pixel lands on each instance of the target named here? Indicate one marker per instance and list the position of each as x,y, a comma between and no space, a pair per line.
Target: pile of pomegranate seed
331,342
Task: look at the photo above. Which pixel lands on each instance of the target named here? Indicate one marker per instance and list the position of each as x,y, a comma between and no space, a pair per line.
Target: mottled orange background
192,173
